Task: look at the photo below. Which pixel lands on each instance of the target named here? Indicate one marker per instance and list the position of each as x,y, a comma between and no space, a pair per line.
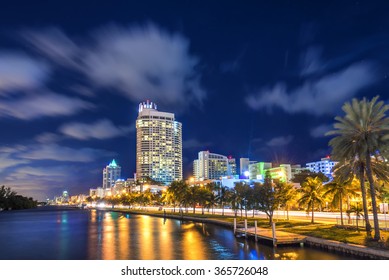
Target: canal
51,233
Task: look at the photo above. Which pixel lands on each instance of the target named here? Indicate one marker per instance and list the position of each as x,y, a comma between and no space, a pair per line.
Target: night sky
257,79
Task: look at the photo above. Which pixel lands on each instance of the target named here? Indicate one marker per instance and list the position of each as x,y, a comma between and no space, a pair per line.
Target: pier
269,234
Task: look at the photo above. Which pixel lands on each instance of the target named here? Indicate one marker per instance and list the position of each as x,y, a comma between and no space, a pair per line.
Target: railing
353,221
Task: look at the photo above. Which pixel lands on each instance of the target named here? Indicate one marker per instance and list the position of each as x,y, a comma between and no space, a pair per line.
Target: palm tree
339,190
286,193
348,170
311,191
358,213
203,197
223,196
362,133
212,188
242,191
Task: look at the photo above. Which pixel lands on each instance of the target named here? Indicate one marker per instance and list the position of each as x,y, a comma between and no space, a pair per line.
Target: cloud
19,71
42,105
194,143
48,137
311,62
62,153
41,170
280,141
83,90
140,62
318,96
321,130
7,161
102,129
53,43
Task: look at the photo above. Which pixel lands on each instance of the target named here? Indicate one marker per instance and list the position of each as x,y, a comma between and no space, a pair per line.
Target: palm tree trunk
287,212
341,212
222,209
373,197
364,200
313,208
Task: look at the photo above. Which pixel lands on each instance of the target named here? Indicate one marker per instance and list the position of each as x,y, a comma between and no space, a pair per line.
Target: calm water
52,233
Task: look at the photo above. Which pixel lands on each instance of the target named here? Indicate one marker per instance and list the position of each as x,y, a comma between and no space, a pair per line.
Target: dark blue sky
258,80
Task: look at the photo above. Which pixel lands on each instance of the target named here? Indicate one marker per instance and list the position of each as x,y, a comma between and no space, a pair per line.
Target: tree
223,196
303,175
348,170
203,197
362,133
212,188
286,194
338,191
266,198
242,192
11,200
177,191
311,191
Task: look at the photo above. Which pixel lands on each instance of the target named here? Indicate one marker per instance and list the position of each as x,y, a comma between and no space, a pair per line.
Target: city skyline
262,81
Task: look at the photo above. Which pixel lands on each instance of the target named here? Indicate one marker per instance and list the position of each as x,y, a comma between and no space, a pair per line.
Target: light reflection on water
80,234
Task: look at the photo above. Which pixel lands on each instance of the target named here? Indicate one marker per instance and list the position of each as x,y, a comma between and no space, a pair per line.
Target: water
53,233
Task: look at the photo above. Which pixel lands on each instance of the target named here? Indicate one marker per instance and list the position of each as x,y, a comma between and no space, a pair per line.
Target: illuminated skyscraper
210,166
158,145
111,173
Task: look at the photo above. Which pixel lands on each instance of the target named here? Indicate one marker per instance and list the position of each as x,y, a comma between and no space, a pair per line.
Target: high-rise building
111,173
210,166
245,166
158,145
257,170
325,166
231,166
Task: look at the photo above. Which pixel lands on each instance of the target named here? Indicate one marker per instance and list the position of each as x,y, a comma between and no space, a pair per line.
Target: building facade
231,166
325,166
211,166
111,173
158,145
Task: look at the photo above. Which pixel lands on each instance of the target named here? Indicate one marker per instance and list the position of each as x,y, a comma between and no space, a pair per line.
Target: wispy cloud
48,137
102,129
42,105
7,161
280,141
18,71
318,96
321,130
62,153
140,62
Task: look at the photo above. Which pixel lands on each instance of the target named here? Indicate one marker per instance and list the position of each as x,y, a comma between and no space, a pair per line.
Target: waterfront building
282,173
210,166
111,173
244,167
231,166
123,186
257,170
325,166
296,169
158,145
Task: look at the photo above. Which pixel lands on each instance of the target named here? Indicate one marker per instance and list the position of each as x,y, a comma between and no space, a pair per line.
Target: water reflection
95,234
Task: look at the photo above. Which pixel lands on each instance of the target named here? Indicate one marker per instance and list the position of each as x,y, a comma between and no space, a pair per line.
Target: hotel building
325,166
158,145
210,166
111,173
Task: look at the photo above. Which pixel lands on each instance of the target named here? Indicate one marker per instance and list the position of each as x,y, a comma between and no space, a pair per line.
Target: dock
269,234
